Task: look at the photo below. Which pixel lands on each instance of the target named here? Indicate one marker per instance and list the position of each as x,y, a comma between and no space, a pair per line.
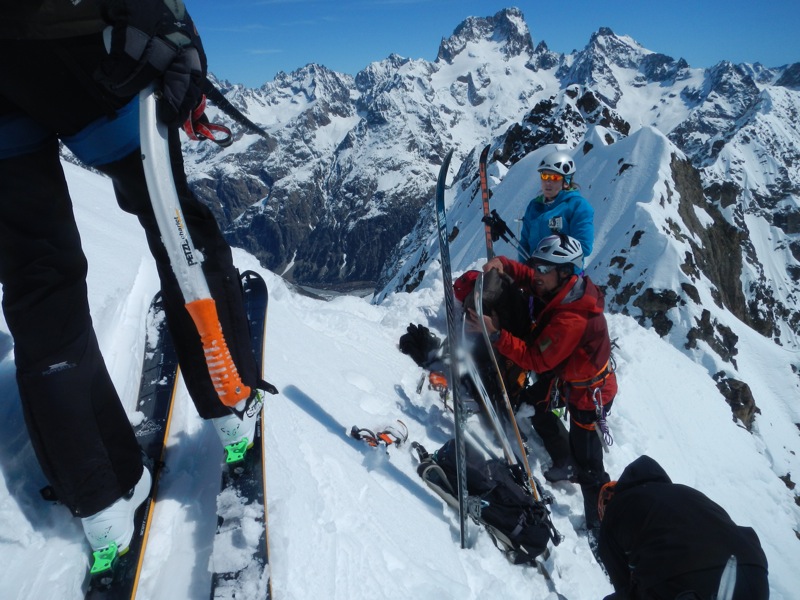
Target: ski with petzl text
452,336
115,577
240,558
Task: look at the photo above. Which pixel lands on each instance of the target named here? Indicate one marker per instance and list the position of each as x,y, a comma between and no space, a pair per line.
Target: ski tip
441,184
445,167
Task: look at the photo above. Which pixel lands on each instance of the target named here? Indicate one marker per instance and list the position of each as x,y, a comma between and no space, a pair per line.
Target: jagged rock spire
507,29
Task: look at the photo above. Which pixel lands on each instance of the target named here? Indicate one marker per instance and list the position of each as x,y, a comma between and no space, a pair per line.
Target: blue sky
249,41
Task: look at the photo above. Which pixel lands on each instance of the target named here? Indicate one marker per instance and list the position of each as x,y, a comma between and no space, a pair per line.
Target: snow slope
348,521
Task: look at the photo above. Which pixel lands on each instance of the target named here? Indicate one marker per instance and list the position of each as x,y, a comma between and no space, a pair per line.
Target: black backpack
518,524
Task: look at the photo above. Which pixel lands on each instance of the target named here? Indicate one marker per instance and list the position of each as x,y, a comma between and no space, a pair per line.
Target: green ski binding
104,560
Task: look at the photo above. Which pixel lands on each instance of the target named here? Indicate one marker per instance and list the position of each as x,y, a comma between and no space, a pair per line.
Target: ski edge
447,279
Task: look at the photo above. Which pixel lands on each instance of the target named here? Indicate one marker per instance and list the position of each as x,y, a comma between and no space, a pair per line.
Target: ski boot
237,430
110,531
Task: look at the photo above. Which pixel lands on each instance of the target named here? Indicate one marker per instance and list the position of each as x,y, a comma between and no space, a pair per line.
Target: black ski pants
580,444
76,421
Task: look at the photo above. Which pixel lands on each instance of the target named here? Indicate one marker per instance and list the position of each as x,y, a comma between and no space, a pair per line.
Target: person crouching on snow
660,539
569,349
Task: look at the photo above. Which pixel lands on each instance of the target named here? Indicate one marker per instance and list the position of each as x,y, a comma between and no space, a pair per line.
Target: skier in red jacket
569,349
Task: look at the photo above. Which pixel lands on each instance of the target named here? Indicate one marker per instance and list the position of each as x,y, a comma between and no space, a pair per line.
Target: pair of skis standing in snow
114,574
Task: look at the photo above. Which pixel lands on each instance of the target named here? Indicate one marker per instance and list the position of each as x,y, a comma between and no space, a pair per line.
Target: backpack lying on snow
518,524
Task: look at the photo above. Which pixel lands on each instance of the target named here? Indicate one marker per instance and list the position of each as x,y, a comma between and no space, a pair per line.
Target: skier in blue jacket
559,209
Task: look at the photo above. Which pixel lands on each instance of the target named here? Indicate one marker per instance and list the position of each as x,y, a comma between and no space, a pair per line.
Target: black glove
497,225
420,344
151,41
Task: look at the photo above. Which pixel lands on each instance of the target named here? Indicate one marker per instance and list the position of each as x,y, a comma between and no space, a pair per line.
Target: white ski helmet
559,250
558,162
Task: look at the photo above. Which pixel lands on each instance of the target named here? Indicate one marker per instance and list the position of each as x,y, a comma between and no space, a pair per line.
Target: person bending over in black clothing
663,540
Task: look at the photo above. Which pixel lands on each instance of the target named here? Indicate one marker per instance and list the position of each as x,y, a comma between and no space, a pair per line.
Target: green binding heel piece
236,452
104,560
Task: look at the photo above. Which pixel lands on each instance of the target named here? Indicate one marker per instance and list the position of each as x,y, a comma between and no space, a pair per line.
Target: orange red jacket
569,338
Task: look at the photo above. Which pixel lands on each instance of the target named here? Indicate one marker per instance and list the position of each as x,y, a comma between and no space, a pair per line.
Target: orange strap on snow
224,376
437,381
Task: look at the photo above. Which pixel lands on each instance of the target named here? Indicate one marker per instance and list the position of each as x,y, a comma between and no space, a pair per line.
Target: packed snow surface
347,521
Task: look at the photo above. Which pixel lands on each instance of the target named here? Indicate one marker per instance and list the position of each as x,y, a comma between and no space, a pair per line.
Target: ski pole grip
223,372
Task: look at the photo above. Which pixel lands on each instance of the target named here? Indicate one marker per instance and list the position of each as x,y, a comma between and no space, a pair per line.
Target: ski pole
518,247
184,258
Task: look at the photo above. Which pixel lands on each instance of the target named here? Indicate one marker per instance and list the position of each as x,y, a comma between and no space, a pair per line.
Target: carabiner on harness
601,426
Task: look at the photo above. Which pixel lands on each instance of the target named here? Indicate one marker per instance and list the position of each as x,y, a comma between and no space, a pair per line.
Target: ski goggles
542,269
551,176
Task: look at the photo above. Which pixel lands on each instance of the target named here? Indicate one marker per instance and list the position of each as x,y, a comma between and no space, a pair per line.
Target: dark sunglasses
543,269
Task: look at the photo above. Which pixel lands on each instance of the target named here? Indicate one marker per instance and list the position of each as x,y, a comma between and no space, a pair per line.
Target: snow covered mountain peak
507,30
611,64
694,175
620,50
336,197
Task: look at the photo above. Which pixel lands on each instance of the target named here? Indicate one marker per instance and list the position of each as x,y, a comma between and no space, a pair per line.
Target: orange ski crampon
391,435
